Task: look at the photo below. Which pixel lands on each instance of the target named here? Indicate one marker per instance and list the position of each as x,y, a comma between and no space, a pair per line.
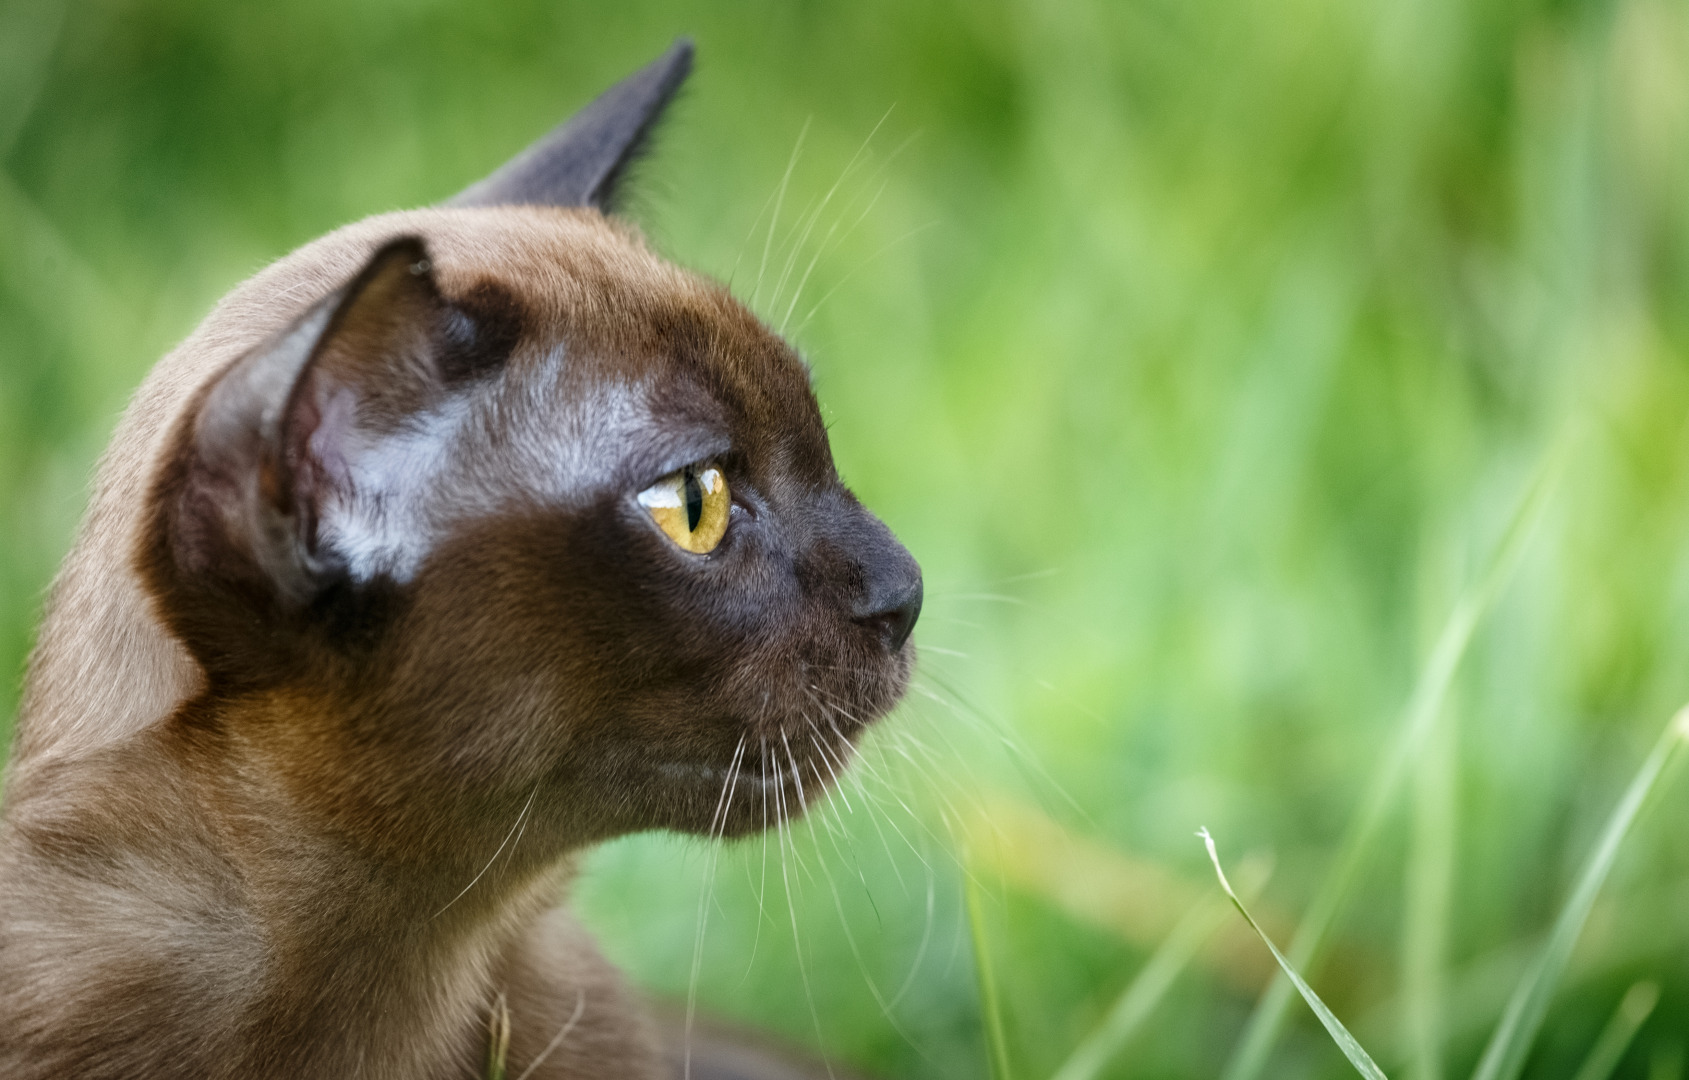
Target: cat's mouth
765,745
760,785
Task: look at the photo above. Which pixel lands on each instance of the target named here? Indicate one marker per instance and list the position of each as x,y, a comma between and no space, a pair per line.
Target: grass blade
1667,1062
1418,721
1633,1011
990,1005
1346,1042
1428,896
1504,1057
498,1039
1140,997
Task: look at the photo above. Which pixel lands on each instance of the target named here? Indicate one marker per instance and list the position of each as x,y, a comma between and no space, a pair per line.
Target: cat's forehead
605,368
590,308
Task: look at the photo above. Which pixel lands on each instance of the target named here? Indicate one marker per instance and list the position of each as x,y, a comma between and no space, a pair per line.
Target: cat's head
520,507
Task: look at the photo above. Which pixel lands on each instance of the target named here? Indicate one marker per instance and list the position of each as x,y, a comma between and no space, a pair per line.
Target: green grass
1204,352
1515,1035
1504,1057
1352,1049
1633,1011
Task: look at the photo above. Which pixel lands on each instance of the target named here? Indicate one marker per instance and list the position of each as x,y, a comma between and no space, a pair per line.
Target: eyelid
698,453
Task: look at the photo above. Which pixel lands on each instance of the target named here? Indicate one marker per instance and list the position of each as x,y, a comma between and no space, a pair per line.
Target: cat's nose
888,578
895,614
891,599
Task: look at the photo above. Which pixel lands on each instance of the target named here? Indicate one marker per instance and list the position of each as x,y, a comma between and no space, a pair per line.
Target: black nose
888,577
896,621
893,603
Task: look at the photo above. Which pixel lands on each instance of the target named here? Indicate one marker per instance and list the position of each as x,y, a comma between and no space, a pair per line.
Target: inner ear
312,456
376,366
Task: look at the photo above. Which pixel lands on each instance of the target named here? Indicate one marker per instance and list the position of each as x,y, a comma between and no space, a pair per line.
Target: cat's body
366,633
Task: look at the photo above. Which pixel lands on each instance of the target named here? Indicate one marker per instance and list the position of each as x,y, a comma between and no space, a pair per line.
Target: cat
451,544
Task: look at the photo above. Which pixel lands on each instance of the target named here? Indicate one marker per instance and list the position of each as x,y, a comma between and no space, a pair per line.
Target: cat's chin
775,748
767,781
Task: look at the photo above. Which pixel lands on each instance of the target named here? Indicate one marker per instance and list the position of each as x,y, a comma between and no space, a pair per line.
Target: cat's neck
302,936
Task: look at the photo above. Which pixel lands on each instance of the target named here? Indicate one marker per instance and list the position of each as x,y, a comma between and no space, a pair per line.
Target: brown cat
452,543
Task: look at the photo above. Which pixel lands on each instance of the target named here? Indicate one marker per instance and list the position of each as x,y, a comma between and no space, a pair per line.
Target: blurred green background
1202,350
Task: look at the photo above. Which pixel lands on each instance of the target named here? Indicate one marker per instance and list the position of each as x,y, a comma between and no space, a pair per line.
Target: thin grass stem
991,1008
1504,1057
1418,719
1633,1011
1351,1047
498,1039
1428,895
1141,996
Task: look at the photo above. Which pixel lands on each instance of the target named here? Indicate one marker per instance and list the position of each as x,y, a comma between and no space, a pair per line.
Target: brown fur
295,819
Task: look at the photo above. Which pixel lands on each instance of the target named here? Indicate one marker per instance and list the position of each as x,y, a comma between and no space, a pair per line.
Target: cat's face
513,511
424,517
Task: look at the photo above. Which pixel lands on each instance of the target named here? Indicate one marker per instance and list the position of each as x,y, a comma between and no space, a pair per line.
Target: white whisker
557,1040
779,201
515,829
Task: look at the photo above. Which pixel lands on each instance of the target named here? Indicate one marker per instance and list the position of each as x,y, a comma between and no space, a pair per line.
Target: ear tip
679,57
581,161
682,50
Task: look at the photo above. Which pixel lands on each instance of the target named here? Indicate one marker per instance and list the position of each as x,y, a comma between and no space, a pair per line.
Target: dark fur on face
437,540
366,633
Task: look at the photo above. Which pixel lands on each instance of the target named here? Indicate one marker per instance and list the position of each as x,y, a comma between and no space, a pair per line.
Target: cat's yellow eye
691,506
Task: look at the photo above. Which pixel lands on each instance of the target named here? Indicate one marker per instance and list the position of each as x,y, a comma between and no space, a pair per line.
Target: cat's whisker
797,774
926,940
889,820
791,824
705,895
751,232
779,201
861,964
941,651
882,778
869,805
971,714
791,259
918,820
568,1026
838,784
835,834
842,830
982,598
514,830
783,824
786,252
720,813
821,249
863,265
761,887
833,825
931,781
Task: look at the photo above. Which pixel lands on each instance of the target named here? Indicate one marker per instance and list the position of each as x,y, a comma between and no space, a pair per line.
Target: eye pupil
694,500
691,506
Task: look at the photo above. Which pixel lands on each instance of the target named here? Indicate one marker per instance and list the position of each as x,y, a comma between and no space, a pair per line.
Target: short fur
364,636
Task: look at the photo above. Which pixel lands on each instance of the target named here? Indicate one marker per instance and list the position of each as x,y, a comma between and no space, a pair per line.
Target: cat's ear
583,159
302,451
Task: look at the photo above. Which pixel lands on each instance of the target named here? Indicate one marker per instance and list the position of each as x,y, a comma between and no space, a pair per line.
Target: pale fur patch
401,494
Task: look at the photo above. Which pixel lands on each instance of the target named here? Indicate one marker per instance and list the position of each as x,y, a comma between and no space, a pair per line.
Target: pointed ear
304,442
581,161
